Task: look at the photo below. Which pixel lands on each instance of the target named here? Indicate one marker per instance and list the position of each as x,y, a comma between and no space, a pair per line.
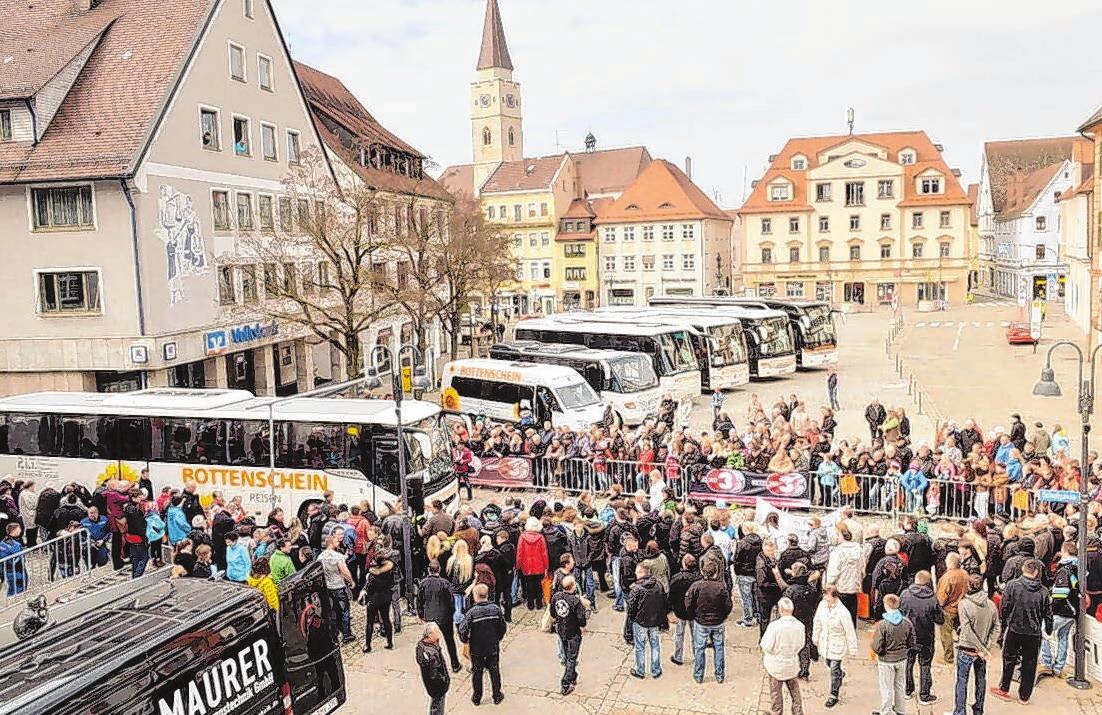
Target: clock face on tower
484,100
510,101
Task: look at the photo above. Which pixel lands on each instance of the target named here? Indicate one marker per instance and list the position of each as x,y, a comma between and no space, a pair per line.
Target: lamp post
1047,387
419,381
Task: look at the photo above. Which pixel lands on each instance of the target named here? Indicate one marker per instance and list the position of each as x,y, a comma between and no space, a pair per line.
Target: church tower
495,101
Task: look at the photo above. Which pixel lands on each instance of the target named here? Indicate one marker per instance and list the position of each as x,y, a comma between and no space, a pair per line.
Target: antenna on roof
849,119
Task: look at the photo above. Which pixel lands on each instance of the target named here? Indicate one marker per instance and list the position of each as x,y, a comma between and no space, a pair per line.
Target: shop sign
219,341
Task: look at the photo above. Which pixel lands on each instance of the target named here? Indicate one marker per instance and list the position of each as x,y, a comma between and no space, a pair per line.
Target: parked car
1018,334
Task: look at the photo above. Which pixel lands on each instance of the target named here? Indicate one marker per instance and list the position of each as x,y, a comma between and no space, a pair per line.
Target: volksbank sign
217,342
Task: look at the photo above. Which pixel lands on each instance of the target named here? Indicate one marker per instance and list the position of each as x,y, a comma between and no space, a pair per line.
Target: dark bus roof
82,652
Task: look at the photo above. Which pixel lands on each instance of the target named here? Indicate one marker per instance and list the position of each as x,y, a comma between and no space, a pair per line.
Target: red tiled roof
926,156
458,179
41,38
662,191
1023,189
973,209
328,96
609,171
1007,158
524,175
579,208
108,115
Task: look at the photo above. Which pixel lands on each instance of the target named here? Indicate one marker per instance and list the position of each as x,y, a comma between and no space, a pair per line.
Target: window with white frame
210,129
629,263
767,226
573,250
534,270
943,219
648,263
574,273
264,72
1041,223
264,212
793,254
241,136
629,233
227,286
237,62
648,232
610,234
779,192
688,231
885,250
532,210
517,211
916,219
885,222
794,224
248,283
767,290
824,224
855,222
930,185
543,208
518,239
766,255
824,254
916,250
545,238
688,261
293,154
533,239
855,253
69,291
943,249
610,263
5,125
1039,251
244,211
268,141
906,157
248,9
490,213
855,193
794,289
667,232
220,205
799,163
822,192
64,208
286,216
546,269
885,189
667,262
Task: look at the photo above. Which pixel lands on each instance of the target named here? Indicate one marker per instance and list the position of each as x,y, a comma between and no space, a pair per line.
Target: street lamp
419,381
1048,387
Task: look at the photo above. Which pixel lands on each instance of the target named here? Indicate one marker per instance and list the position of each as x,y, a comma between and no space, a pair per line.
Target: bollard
920,402
910,384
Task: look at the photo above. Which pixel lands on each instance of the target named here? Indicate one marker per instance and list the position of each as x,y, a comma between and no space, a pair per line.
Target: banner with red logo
508,472
790,490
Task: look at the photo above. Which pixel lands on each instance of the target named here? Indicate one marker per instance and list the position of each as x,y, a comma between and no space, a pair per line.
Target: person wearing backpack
1065,612
887,578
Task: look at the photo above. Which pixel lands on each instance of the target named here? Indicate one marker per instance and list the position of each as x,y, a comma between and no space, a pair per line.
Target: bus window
247,442
195,441
319,445
86,437
29,434
384,463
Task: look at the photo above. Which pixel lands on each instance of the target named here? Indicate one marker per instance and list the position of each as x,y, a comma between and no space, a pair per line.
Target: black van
183,646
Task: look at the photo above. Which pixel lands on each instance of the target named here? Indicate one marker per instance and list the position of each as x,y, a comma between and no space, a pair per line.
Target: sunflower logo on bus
117,470
450,399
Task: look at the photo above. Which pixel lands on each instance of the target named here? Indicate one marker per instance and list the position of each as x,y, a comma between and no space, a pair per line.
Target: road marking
935,324
956,341
948,324
989,324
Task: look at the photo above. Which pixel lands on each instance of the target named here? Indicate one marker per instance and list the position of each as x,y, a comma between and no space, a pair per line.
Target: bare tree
316,250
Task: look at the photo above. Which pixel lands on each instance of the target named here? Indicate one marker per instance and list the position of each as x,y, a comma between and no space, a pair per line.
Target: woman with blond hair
460,573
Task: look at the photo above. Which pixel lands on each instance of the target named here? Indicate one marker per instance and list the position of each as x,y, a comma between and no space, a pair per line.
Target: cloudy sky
723,82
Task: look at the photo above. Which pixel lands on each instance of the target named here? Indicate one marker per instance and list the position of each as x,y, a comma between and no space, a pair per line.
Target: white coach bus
220,440
507,391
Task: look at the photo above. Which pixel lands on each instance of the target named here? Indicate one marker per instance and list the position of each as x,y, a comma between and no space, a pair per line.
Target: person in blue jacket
178,525
238,562
100,536
155,534
11,563
914,485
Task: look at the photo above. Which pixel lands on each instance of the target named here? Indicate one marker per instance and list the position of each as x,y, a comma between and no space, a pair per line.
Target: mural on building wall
179,228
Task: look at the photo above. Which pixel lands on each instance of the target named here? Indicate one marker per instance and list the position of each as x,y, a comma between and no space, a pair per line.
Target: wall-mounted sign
168,350
219,341
139,354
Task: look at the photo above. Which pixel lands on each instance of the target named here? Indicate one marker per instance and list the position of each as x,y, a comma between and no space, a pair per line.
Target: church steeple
496,115
494,52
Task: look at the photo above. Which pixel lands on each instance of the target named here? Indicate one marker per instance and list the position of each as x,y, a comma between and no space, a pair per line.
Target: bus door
312,655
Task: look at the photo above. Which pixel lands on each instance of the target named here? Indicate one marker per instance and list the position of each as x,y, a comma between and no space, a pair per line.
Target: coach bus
626,381
718,342
509,391
812,324
220,441
669,347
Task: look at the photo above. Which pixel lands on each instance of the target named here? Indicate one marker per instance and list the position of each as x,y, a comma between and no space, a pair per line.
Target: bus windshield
820,331
580,394
727,346
676,352
632,373
774,337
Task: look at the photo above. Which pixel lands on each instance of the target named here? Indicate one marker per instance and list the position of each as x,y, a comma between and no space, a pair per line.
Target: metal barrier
578,474
875,495
33,570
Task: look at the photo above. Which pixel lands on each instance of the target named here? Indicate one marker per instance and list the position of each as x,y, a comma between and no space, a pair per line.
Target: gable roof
1005,159
610,171
108,116
458,179
494,51
662,191
524,175
579,208
1024,189
328,97
927,156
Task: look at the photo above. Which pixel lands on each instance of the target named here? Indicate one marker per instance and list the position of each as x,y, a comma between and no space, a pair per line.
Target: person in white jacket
28,511
845,571
780,647
834,635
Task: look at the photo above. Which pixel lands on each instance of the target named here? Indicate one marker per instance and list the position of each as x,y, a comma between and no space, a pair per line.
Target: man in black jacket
805,593
1026,610
629,559
1017,431
435,604
919,603
745,560
482,628
679,586
875,416
1023,552
503,566
647,609
770,583
707,604
569,614
434,673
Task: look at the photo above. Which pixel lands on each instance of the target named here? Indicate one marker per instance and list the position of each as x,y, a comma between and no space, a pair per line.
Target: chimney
689,167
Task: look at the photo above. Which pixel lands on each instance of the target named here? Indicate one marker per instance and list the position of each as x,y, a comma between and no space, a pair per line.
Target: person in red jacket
532,562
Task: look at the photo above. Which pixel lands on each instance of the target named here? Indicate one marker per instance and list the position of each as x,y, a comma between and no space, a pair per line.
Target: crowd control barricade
33,570
573,475
864,493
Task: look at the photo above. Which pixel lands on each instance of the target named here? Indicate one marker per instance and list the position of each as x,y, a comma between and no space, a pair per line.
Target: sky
723,82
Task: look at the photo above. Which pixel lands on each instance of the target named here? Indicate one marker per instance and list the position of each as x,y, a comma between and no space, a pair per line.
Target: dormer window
779,192
633,207
930,185
906,157
665,205
799,163
5,125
